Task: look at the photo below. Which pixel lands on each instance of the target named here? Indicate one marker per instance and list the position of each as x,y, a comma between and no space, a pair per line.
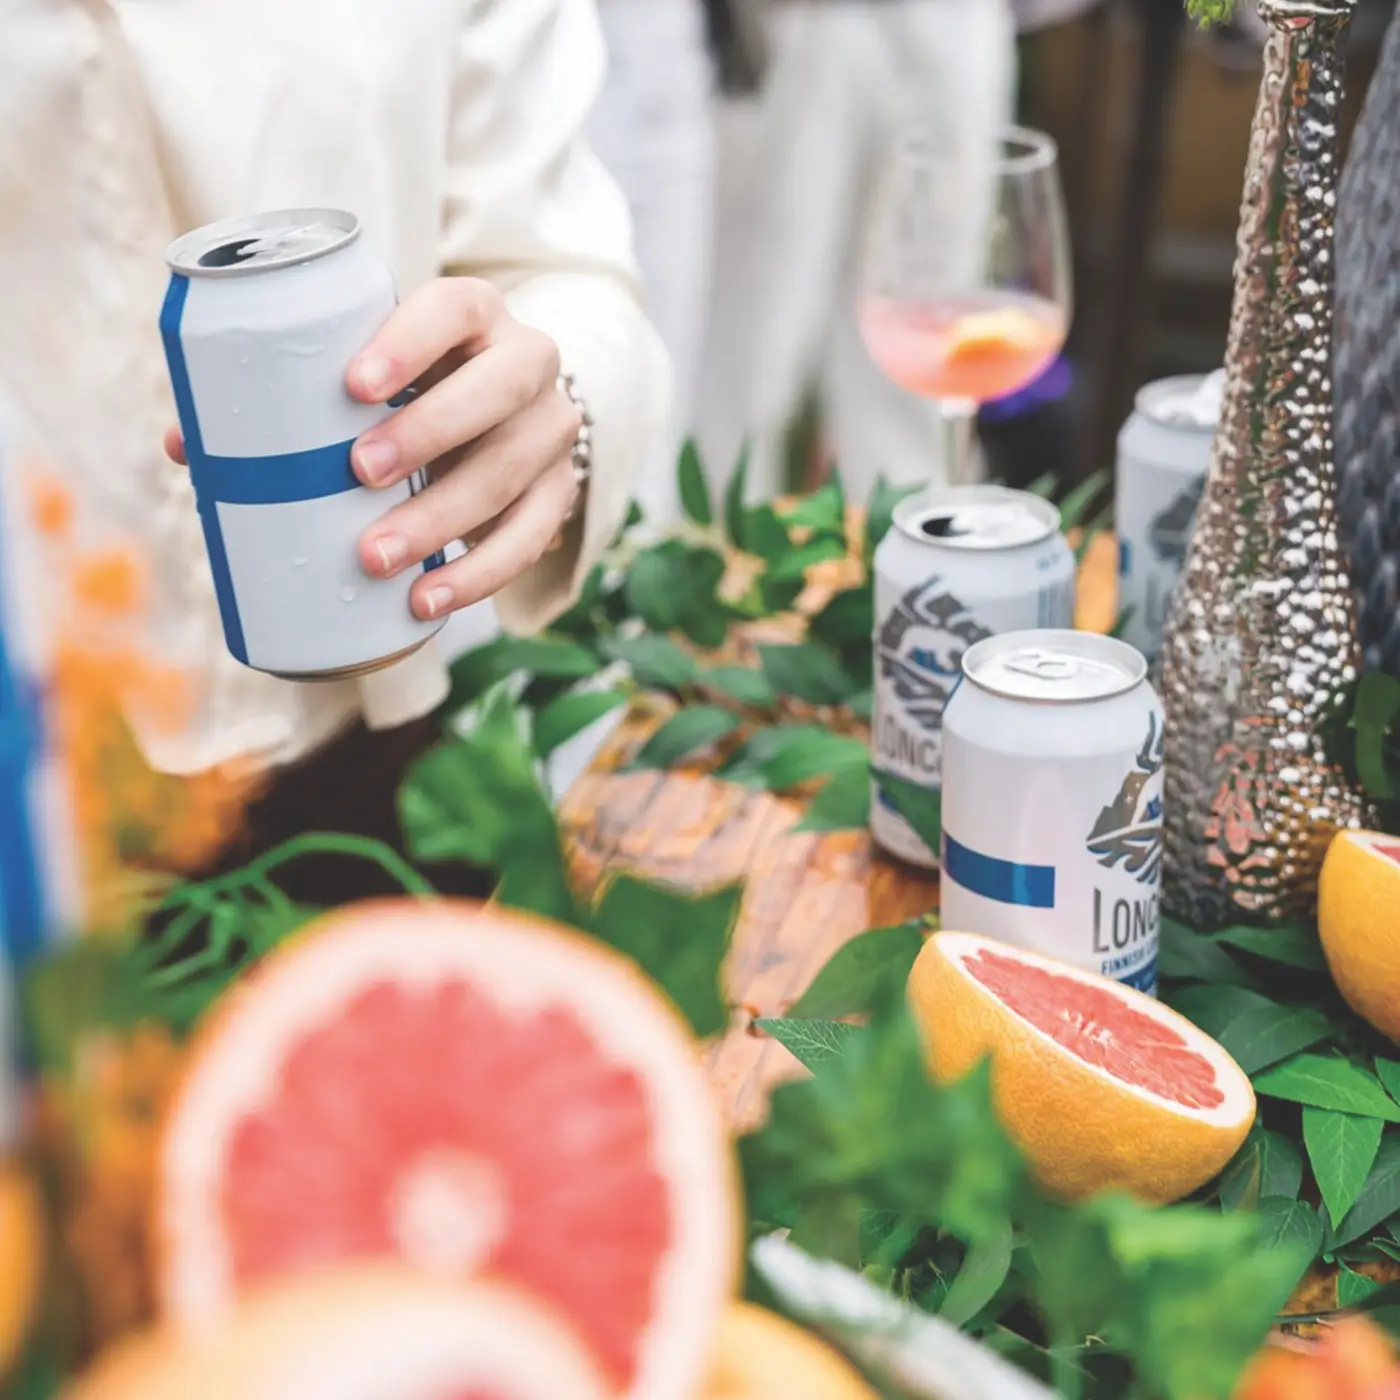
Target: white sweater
449,126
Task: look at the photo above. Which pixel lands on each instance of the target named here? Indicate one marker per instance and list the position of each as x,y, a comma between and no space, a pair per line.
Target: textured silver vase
1262,637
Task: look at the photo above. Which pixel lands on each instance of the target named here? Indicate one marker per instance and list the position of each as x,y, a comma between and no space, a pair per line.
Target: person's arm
531,210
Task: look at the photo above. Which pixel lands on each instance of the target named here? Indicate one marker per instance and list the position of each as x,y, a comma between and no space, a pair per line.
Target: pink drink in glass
972,349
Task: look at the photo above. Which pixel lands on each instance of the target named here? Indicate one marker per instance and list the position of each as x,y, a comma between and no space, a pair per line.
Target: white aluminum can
262,318
958,564
1052,801
1163,454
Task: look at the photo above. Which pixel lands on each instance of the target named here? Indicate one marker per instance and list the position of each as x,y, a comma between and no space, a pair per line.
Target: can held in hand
1052,801
262,318
1163,454
957,565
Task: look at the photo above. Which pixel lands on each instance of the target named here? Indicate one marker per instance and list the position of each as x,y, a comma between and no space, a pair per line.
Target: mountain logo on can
920,647
1129,829
1171,528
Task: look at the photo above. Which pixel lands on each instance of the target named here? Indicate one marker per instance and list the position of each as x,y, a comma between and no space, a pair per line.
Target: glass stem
959,420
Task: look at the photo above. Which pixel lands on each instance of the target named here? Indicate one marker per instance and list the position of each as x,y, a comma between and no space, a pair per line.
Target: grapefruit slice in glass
361,1332
1101,1086
472,1092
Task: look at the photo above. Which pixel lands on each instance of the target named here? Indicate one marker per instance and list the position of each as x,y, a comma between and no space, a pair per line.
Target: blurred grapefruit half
364,1332
1102,1087
472,1092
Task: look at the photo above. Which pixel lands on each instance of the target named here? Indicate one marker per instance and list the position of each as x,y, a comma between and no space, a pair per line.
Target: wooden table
805,895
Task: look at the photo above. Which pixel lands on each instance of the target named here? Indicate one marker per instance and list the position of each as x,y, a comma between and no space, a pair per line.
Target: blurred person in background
797,158
653,127
453,129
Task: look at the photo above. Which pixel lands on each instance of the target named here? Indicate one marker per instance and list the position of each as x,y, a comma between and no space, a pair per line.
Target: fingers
175,447
522,536
491,388
480,485
449,313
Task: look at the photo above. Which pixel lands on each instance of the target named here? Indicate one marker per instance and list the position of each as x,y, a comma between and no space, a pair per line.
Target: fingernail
374,460
437,600
393,550
373,372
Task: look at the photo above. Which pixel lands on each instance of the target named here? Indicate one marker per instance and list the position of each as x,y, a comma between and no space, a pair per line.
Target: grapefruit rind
1081,1129
1358,894
1236,1090
363,1332
526,964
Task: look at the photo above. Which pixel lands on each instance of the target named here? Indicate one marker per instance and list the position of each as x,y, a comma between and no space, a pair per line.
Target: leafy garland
871,1167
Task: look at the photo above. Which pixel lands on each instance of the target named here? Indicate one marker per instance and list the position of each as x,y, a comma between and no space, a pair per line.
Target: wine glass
965,282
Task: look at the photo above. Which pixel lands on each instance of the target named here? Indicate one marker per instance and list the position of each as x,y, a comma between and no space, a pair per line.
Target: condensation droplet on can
236,409
243,359
299,562
347,594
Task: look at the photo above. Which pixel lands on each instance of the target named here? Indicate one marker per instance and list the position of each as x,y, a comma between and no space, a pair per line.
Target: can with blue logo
1163,455
1052,801
262,318
957,565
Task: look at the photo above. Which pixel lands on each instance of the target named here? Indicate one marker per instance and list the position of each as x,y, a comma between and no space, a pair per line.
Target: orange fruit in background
21,1259
1102,1087
364,1333
761,1356
1358,919
471,1091
1353,1360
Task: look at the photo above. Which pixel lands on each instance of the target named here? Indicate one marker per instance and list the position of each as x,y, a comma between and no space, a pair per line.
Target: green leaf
734,493
789,754
678,939
657,586
983,1272
921,807
1354,1288
879,512
1342,1149
848,619
765,534
1377,707
695,493
861,705
1187,956
1208,12
1377,1200
812,1042
795,563
1295,945
1213,1007
1290,1224
822,509
655,661
1325,1081
695,727
861,974
843,804
1077,501
808,671
569,715
557,658
1389,1074
873,1131
1268,1164
748,687
1264,1035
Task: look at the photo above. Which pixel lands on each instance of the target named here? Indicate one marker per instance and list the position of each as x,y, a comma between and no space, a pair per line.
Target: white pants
653,128
795,172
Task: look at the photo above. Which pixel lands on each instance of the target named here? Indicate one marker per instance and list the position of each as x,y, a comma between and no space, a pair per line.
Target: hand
493,430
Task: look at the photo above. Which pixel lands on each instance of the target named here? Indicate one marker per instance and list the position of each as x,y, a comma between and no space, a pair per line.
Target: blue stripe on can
1125,558
1006,882
23,908
1144,979
170,317
266,481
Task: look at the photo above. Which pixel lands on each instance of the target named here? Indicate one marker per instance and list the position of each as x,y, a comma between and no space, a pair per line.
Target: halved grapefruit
471,1091
362,1332
1101,1086
1358,917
